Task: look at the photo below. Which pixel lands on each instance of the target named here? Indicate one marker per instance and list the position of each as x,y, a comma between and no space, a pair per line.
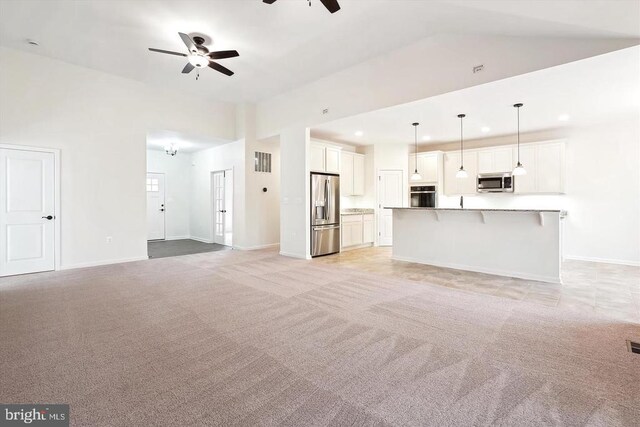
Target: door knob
49,217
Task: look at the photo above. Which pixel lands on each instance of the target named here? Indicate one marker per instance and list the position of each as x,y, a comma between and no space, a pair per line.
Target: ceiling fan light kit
199,56
331,5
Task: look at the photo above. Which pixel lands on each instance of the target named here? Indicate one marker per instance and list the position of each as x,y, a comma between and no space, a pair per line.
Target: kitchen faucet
461,202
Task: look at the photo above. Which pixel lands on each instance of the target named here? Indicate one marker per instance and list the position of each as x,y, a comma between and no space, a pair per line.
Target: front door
390,187
219,210
155,206
27,209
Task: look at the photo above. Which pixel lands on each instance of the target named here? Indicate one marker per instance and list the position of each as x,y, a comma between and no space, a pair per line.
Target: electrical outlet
478,68
325,111
109,239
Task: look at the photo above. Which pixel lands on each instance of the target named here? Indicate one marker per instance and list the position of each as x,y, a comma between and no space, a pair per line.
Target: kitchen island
515,243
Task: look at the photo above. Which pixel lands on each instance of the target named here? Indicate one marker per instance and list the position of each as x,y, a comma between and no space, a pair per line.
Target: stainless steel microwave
495,183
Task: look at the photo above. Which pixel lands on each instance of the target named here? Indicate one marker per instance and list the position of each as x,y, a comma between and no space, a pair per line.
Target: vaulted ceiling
284,45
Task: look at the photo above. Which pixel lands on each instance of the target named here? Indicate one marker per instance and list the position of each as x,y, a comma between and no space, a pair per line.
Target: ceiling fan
331,5
199,56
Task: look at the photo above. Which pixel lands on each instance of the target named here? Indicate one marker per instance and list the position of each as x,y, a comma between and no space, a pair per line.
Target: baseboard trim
200,239
255,248
603,260
350,248
178,238
106,262
496,272
290,255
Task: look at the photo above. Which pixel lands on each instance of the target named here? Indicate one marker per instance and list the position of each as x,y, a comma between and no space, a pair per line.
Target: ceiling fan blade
188,42
223,54
187,68
220,68
167,51
331,5
268,1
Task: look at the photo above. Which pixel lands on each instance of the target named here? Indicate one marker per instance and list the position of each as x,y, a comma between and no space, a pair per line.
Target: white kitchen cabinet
368,228
351,174
351,230
358,175
550,168
523,184
346,174
493,160
324,158
544,163
460,186
357,230
317,157
332,160
428,164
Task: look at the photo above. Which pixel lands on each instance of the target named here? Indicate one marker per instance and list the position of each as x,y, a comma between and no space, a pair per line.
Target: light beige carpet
251,338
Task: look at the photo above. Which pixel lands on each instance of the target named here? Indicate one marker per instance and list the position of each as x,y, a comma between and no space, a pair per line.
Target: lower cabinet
357,230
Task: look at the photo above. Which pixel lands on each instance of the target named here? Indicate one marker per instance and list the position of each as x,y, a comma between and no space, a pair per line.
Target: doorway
155,206
222,197
390,193
29,200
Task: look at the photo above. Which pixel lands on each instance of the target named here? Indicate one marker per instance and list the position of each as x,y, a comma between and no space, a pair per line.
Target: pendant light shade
461,172
519,169
416,176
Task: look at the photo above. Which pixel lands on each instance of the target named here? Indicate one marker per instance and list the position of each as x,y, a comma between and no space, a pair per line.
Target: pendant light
416,176
519,169
461,172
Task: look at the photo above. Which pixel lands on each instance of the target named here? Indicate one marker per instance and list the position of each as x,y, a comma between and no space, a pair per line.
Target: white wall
100,123
177,174
203,163
602,190
294,188
262,208
432,66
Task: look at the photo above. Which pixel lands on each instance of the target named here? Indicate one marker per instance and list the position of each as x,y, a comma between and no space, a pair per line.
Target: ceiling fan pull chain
309,3
197,74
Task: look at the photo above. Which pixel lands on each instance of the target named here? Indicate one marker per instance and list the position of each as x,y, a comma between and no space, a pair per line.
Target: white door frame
212,236
378,208
56,188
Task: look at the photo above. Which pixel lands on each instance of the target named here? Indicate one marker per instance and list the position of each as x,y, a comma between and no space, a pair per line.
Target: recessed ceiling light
33,42
359,133
563,117
485,129
426,138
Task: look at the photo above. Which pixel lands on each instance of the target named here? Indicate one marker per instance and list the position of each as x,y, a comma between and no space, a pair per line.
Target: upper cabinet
351,174
495,160
460,186
429,166
543,161
324,158
548,168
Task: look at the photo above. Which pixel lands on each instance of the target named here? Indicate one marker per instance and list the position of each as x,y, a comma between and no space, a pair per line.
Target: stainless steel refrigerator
325,214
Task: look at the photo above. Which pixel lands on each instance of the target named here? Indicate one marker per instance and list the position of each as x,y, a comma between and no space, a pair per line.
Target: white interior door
155,206
219,207
389,194
27,211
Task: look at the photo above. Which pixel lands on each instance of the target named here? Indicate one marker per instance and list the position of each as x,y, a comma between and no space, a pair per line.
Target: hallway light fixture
171,150
461,172
416,176
519,169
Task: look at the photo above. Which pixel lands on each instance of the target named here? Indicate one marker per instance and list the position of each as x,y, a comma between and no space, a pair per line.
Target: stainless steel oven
424,196
495,183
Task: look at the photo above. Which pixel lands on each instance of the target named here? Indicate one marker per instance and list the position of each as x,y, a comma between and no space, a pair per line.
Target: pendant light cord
415,127
518,135
461,144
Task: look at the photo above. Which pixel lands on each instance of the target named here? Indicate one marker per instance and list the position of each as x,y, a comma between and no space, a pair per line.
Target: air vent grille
633,347
262,162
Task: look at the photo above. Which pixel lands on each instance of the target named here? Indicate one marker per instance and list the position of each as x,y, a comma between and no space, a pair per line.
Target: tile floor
168,248
609,289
